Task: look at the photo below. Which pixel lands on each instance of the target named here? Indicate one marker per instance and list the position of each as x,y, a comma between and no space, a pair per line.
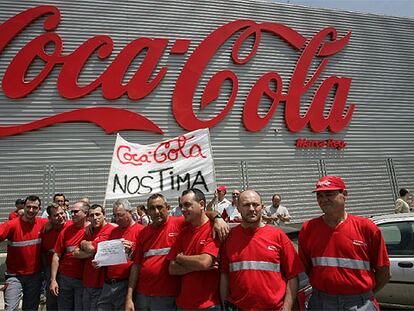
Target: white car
398,233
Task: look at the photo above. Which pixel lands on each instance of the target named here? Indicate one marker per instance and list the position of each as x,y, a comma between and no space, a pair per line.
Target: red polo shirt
68,239
259,261
199,289
13,215
49,240
342,260
129,233
94,278
153,246
24,245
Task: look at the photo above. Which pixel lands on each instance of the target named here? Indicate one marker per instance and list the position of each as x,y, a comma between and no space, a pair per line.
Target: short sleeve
302,249
59,245
5,230
378,251
290,262
211,247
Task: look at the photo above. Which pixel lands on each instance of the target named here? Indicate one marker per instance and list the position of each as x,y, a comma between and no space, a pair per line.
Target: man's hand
215,194
129,305
221,228
128,246
95,264
214,265
54,288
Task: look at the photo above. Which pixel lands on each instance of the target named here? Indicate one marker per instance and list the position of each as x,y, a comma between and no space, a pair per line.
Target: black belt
114,281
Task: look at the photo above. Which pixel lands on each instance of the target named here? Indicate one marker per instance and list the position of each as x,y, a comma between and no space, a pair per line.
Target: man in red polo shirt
344,255
23,257
68,286
156,288
259,264
116,278
93,279
57,218
193,256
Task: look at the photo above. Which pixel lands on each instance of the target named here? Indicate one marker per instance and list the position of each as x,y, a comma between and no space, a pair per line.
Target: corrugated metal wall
379,58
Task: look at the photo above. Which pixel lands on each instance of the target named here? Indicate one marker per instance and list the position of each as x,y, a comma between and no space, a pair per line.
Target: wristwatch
217,216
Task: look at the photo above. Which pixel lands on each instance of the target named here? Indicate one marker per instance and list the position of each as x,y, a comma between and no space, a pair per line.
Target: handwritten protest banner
169,167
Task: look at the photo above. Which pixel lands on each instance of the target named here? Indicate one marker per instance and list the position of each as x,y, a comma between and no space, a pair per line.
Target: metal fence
372,183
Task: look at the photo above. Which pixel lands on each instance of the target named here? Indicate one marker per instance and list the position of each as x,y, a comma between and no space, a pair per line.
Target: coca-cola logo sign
146,79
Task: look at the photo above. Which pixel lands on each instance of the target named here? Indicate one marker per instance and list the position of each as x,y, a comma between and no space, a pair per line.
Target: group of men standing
194,262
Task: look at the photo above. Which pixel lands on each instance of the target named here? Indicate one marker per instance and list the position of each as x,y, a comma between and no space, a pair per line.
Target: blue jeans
113,296
70,293
147,303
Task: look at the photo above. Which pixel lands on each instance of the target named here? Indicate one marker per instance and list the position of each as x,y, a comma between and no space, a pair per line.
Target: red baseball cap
329,183
221,188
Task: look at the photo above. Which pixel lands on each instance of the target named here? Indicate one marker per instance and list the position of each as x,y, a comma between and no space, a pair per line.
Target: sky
401,8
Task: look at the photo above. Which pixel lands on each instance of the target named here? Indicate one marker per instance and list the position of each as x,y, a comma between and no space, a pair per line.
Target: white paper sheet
110,253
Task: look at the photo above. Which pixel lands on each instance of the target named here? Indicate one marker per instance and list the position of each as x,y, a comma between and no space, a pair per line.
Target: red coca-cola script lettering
148,76
171,150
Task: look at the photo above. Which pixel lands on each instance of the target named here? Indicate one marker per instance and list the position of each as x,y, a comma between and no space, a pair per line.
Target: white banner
168,167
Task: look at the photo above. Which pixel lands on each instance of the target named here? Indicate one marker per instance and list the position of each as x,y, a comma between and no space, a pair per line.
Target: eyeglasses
75,211
235,194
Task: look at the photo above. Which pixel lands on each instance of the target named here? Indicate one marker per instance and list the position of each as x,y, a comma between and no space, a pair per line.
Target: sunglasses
235,194
75,211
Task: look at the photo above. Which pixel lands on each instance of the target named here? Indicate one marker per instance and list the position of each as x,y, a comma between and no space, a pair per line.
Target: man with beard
93,279
68,287
259,263
23,257
58,221
156,288
344,255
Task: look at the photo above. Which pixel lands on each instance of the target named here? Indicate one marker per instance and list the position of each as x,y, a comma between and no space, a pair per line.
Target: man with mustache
344,255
